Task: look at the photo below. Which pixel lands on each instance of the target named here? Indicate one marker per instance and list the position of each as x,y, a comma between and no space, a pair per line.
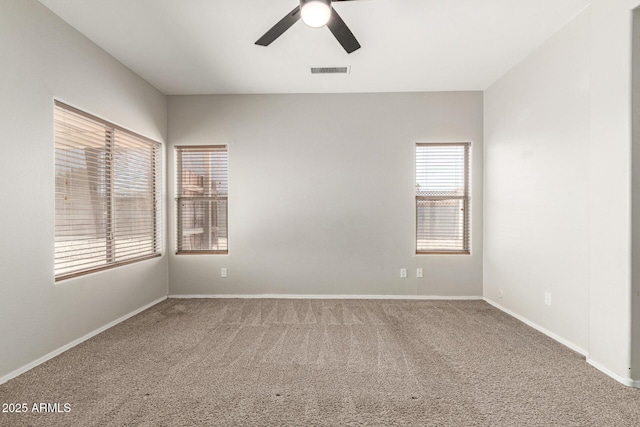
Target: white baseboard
303,296
74,343
626,381
539,328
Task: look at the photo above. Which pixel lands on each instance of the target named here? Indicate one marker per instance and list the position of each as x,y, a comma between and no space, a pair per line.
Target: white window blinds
203,190
107,194
442,198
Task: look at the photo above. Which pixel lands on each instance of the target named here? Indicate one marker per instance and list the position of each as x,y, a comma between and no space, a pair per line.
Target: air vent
330,70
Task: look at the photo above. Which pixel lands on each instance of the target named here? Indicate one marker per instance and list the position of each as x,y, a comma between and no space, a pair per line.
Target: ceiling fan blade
283,25
342,33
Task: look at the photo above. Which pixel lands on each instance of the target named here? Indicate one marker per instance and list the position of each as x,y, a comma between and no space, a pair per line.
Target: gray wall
564,117
321,192
612,339
42,59
635,185
537,185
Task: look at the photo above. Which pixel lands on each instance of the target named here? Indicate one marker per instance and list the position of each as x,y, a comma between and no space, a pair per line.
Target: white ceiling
207,46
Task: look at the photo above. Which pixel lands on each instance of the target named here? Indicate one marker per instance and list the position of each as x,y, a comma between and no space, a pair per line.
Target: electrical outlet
547,298
403,273
500,293
223,272
418,272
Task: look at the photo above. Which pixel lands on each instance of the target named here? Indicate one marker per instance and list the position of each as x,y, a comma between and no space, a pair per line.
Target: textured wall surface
537,122
321,192
42,59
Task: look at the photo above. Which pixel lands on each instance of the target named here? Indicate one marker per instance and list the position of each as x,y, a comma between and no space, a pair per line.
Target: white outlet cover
419,272
403,273
223,272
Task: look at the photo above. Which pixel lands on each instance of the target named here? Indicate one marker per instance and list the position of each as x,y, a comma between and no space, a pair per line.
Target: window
107,194
202,189
442,198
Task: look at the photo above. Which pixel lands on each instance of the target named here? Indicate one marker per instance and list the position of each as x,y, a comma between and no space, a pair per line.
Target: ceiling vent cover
330,70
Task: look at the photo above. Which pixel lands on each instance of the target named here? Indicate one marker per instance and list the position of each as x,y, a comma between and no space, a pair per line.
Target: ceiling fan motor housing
303,2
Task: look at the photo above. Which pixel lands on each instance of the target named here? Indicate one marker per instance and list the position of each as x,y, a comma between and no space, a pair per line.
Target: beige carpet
322,362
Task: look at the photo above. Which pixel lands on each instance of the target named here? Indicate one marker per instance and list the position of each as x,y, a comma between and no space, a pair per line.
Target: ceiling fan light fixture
315,13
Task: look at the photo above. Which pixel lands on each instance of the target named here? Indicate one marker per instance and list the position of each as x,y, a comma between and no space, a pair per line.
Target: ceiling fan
314,13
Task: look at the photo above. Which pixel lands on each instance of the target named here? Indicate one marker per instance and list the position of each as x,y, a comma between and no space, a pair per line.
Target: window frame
466,200
178,150
110,197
